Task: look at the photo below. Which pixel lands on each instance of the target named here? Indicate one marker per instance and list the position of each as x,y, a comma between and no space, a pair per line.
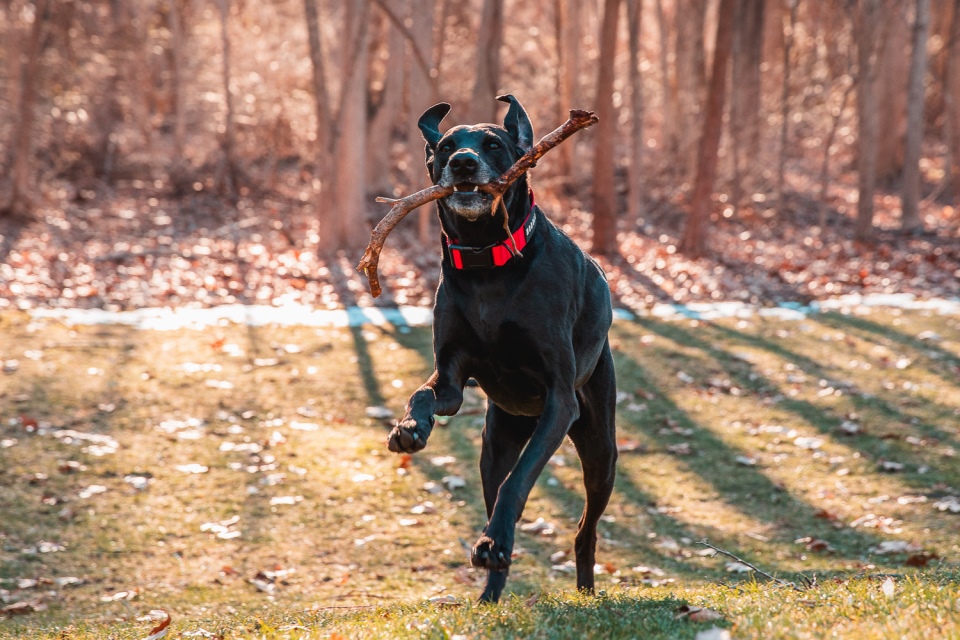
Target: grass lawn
234,477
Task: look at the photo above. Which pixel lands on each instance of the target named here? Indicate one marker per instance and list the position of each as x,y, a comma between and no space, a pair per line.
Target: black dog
530,329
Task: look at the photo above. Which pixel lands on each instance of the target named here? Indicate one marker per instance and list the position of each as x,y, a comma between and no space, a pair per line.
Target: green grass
697,396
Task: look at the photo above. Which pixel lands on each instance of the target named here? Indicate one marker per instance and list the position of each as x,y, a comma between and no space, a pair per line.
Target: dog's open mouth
468,201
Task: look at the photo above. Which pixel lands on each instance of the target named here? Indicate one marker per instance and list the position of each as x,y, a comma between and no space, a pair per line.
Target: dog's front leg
494,547
441,395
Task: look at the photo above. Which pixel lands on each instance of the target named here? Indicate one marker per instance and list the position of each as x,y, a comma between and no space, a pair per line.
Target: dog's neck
488,230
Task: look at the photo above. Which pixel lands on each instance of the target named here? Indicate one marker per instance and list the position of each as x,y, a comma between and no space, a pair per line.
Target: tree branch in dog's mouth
496,188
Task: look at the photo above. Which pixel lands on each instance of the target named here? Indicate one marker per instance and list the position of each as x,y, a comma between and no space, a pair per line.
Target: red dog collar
494,255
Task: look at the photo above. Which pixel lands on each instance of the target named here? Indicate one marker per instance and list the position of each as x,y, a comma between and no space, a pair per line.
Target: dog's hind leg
594,436
504,437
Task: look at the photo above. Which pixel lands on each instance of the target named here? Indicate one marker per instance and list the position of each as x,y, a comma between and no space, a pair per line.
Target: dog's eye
446,147
493,144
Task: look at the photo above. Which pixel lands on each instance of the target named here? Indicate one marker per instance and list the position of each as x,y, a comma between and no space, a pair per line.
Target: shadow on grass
745,489
889,445
878,333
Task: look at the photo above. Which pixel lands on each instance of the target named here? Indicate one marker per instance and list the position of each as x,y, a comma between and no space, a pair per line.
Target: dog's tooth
475,188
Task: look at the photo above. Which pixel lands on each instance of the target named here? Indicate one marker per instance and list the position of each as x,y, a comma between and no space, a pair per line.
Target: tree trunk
568,73
177,44
788,38
836,115
386,118
951,95
324,141
671,96
910,217
487,77
635,176
605,141
694,240
745,112
868,13
228,139
345,213
423,95
689,19
892,70
20,202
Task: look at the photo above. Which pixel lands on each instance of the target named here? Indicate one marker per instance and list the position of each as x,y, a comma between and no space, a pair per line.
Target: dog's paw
490,554
407,437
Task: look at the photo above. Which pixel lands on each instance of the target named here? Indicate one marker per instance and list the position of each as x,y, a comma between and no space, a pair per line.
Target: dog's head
467,156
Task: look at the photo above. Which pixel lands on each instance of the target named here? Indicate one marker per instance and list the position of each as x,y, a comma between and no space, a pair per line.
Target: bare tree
745,111
635,176
422,94
487,76
177,44
668,81
892,70
689,21
788,36
951,99
604,165
695,233
344,215
228,169
567,14
324,142
836,113
868,27
20,204
910,217
385,119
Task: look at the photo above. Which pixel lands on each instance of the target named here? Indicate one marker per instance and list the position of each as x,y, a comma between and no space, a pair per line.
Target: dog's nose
464,162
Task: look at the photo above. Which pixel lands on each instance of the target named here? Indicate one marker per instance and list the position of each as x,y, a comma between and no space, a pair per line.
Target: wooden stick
744,562
402,206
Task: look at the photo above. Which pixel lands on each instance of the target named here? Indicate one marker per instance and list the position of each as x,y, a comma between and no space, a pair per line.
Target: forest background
169,152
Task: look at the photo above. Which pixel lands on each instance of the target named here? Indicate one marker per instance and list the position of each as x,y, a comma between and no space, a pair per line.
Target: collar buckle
465,257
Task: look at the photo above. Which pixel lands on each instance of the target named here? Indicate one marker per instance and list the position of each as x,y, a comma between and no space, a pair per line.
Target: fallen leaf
888,588
850,428
193,467
448,600
630,446
379,413
696,614
816,544
160,630
921,559
453,482
22,608
950,503
121,595
805,442
539,527
424,507
738,567
680,449
893,546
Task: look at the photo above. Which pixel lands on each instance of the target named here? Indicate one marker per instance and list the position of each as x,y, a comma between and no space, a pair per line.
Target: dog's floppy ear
429,124
517,123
